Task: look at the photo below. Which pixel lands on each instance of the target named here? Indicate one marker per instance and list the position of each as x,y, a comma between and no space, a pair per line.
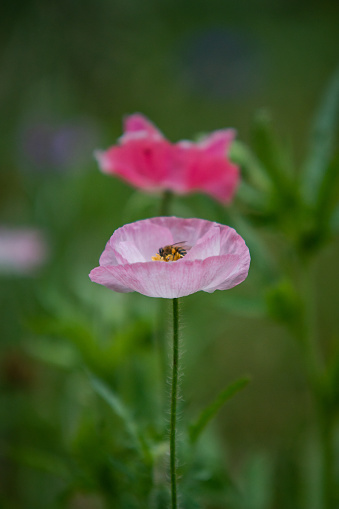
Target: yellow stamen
168,258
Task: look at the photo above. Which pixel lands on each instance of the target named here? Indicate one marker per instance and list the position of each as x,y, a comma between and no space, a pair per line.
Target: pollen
173,256
157,258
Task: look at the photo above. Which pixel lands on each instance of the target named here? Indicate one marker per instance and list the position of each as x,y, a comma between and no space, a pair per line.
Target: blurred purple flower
47,146
22,250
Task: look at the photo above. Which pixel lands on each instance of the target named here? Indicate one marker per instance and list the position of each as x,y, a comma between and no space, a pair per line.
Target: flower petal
147,236
108,255
103,276
207,171
217,143
219,258
145,159
139,124
207,245
143,162
173,279
188,230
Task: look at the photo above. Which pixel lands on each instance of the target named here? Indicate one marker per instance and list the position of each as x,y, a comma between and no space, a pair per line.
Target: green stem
308,336
174,398
328,481
315,367
161,352
165,203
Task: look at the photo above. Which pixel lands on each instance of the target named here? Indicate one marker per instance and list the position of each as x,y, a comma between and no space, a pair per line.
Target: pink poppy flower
212,257
145,159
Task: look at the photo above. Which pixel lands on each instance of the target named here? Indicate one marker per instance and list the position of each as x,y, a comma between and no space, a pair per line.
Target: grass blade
322,140
211,410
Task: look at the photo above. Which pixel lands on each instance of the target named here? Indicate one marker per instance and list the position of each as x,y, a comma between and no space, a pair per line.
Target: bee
172,252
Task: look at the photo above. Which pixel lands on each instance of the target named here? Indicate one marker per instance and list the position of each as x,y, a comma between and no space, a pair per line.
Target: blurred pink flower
22,250
217,259
145,159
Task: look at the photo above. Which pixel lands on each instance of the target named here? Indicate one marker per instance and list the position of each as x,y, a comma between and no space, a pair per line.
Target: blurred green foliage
83,400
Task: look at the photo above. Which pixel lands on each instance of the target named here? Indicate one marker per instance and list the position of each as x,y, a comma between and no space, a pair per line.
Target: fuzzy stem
174,402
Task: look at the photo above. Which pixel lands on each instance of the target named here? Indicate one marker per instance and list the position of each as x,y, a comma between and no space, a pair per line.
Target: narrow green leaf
117,406
332,373
120,409
211,410
251,168
334,221
322,140
274,161
328,195
257,483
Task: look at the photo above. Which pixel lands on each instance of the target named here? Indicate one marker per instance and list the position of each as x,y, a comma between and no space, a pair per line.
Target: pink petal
225,181
219,258
145,159
101,275
139,124
204,171
127,252
108,255
172,279
208,245
181,230
231,242
218,143
146,235
142,162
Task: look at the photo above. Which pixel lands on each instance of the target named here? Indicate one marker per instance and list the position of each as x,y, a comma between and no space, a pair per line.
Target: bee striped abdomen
170,253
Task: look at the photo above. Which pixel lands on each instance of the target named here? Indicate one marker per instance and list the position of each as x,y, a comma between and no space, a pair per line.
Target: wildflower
148,161
47,146
216,258
22,250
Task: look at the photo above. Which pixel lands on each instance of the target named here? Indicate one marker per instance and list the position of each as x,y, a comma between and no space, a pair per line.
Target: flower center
170,253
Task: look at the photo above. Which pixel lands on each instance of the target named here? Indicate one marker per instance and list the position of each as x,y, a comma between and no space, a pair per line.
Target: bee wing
183,244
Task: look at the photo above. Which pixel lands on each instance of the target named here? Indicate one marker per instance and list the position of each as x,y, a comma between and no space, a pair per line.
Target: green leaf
211,410
120,409
274,161
257,483
328,195
322,140
331,379
334,221
284,304
251,168
251,197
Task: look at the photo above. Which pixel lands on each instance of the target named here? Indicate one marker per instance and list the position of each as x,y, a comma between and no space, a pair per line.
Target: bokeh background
70,71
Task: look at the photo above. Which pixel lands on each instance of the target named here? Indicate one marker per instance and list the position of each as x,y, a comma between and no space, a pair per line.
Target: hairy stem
174,398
